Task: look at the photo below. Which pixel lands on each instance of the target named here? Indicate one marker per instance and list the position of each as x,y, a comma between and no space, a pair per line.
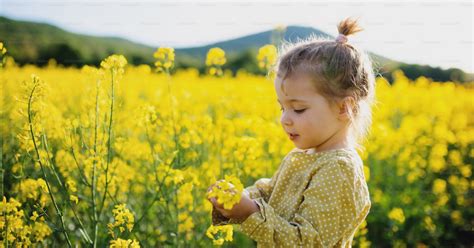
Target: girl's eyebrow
292,100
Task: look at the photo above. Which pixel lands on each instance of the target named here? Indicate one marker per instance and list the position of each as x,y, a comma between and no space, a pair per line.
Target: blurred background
433,39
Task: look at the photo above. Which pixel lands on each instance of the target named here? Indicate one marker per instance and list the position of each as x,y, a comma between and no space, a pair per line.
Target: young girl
318,196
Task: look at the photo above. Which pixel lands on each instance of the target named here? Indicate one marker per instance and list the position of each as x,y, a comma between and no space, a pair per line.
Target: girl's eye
299,111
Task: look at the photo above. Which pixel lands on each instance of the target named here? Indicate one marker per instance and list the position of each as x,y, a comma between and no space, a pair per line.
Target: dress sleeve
328,216
261,189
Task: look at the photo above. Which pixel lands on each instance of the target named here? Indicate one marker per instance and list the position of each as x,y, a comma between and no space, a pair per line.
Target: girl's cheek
307,119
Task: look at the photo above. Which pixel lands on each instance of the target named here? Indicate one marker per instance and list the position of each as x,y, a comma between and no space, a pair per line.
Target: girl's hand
240,211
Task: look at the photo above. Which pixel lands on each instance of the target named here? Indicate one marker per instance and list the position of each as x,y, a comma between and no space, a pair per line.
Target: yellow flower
178,176
219,234
40,231
185,224
439,186
71,185
93,71
165,58
123,217
455,157
215,71
366,173
439,150
32,189
267,56
74,198
215,56
34,216
429,225
437,164
19,232
227,192
214,60
456,216
121,243
115,63
185,196
465,170
397,215
3,49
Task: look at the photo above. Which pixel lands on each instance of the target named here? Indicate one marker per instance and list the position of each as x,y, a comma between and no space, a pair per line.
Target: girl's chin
302,147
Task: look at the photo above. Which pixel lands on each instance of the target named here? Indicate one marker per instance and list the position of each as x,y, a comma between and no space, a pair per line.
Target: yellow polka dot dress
314,199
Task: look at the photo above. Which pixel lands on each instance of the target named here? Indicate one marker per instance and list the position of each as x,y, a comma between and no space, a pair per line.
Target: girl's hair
338,70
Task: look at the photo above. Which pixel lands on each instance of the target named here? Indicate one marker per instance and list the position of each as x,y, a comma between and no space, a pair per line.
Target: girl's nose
285,119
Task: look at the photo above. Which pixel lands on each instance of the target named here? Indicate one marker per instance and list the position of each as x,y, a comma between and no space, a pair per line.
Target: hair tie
341,38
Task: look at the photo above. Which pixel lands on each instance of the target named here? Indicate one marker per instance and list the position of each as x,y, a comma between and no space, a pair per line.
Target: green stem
79,167
6,225
155,198
109,144
176,146
177,215
64,190
2,182
172,109
94,163
58,211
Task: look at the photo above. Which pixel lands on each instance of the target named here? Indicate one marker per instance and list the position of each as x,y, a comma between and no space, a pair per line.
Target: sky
424,32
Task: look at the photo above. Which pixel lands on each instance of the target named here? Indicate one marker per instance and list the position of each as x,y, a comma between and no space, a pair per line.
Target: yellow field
159,152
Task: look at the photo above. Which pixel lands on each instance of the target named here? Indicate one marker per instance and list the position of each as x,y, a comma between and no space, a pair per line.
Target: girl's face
307,117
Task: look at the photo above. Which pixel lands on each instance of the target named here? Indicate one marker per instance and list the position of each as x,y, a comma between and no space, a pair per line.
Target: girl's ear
346,107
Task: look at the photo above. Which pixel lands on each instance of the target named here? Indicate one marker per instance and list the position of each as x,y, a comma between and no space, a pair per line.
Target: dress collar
313,150
306,151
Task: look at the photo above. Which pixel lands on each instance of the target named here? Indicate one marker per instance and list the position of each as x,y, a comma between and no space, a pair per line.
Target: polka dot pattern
314,199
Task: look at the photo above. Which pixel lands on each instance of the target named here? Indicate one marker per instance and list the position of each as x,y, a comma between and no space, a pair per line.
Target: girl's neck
340,139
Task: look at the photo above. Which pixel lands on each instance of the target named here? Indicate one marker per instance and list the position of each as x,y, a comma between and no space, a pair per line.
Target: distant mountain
28,41
257,40
36,43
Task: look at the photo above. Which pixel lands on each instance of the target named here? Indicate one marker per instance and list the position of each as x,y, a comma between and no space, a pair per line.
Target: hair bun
347,27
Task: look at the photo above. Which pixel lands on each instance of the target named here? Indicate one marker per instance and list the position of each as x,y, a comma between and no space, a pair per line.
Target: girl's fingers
220,208
223,211
216,204
214,201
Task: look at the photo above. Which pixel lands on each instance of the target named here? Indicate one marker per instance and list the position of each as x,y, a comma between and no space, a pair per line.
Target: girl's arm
331,211
262,188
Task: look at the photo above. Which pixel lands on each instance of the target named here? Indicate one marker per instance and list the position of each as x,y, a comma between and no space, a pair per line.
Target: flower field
122,155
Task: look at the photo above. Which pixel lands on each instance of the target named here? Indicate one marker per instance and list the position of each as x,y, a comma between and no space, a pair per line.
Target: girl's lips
293,136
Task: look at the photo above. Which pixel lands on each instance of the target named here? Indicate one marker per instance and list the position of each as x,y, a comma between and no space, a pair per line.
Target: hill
36,43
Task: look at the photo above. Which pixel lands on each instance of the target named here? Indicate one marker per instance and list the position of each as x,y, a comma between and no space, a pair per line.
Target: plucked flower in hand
227,192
